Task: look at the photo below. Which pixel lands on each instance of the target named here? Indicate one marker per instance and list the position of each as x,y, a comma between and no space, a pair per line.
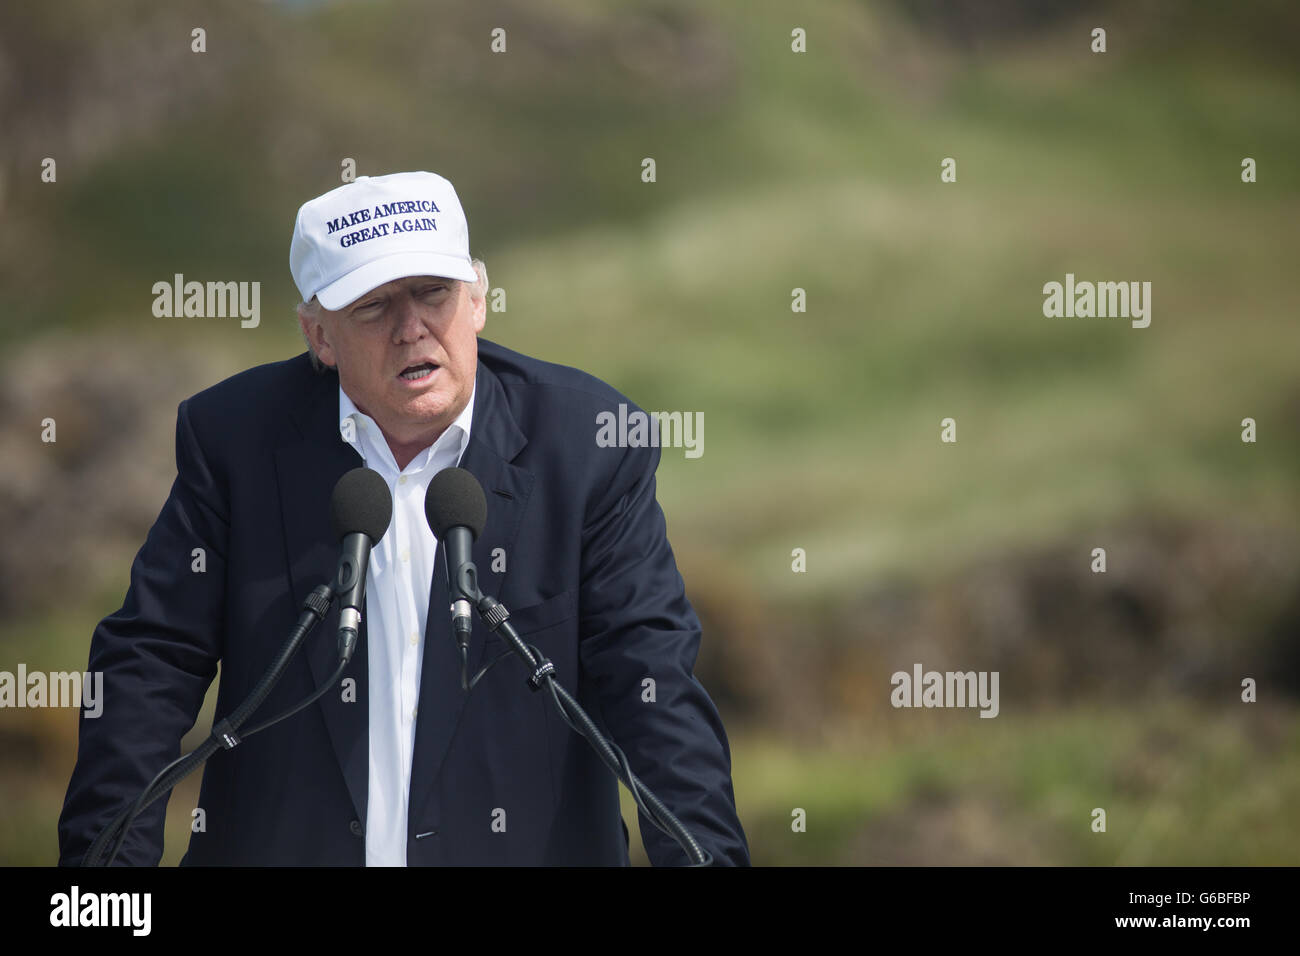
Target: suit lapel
495,439
308,466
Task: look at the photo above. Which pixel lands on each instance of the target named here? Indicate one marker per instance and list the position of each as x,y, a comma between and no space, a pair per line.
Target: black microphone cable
456,510
361,509
224,732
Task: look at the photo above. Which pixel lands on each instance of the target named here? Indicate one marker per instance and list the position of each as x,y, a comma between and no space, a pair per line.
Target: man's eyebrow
386,289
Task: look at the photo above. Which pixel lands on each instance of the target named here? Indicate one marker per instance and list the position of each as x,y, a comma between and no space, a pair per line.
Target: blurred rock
1185,608
76,510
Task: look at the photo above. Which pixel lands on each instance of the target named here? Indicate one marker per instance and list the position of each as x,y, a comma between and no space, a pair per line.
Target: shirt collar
365,436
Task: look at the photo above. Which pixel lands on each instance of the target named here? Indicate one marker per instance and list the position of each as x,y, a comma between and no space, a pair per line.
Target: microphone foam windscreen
455,498
361,502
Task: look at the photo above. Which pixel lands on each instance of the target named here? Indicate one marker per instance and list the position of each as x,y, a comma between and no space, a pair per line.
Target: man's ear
313,329
480,312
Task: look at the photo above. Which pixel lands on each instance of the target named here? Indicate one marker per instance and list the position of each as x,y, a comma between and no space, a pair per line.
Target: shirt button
414,711
402,480
406,555
363,423
415,638
355,827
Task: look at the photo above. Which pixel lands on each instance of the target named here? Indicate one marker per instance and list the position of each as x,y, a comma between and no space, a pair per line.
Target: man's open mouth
413,373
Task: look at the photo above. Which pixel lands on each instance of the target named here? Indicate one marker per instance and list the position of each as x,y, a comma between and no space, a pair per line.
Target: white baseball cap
377,229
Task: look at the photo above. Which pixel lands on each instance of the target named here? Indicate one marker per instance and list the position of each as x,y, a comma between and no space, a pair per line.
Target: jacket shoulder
252,403
529,380
561,410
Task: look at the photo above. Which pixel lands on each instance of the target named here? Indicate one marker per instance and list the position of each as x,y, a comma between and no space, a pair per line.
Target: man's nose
409,323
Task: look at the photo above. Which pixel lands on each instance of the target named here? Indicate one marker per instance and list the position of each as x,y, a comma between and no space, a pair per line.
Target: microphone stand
542,673
224,732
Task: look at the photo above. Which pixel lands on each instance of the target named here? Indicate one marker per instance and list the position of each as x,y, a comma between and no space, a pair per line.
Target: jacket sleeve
158,654
637,623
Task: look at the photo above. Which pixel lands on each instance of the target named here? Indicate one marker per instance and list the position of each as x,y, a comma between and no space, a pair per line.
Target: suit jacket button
355,827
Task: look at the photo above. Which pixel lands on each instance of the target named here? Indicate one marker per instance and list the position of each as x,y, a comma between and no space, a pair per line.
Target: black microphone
360,509
456,510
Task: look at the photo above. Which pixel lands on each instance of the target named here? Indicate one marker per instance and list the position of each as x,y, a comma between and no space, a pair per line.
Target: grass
1181,783
1059,421
1181,786
820,172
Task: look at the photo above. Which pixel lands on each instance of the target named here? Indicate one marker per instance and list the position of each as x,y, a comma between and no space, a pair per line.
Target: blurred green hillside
775,171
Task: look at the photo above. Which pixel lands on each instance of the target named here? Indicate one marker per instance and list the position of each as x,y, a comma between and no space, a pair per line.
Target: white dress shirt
397,606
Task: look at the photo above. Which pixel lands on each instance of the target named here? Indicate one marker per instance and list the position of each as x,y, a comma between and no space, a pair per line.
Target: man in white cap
367,256
401,766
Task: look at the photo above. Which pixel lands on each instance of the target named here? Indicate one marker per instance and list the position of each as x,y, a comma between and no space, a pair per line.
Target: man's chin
430,408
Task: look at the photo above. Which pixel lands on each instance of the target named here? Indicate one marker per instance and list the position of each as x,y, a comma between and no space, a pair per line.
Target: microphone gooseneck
456,509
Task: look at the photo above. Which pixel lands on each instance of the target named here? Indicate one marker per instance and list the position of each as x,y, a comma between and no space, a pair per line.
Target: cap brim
399,265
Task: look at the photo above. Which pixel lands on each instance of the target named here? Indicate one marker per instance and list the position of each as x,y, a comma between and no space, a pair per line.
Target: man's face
424,326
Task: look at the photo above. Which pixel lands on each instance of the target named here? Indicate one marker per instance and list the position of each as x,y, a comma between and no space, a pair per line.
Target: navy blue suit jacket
589,579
